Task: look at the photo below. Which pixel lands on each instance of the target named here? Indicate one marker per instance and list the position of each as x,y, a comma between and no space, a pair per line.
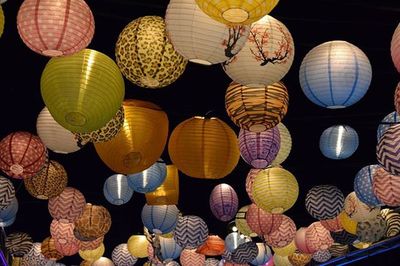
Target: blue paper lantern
160,219
335,74
170,250
338,142
389,120
8,214
149,179
363,185
233,241
263,256
116,189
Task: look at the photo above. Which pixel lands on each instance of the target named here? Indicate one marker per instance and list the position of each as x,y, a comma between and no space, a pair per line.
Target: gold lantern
145,55
168,192
92,254
137,246
204,148
94,222
241,222
49,251
1,21
286,250
347,223
286,145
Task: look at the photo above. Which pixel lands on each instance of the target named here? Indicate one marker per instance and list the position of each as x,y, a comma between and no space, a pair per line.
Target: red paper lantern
68,206
318,237
67,249
283,235
262,222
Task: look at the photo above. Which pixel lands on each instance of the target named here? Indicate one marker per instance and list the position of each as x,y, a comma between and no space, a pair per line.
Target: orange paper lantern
214,246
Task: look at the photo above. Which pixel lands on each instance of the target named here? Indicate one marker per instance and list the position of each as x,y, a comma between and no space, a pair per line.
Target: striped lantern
204,148
343,237
392,219
8,214
338,250
190,231
137,246
103,261
371,230
286,250
284,235
256,108
357,210
395,47
317,237
233,241
168,192
332,225
55,28
275,190
187,27
348,224
388,149
335,74
67,249
49,250
224,202
92,255
169,249
149,179
189,257
87,245
299,259
18,244
267,55
62,232
145,55
338,142
1,21
48,183
262,222
141,140
263,256
116,189
387,187
389,120
241,222
7,192
34,256
54,136
285,146
94,222
160,219
67,206
245,253
259,149
324,202
121,256
250,180
300,241
211,262
214,246
22,155
363,185
321,256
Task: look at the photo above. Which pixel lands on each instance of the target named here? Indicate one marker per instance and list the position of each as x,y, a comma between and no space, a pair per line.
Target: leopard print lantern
94,222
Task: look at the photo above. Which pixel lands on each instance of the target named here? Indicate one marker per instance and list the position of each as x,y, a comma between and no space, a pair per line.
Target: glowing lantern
324,202
363,185
300,241
224,202
347,223
8,214
357,210
241,222
321,256
332,225
233,241
338,142
94,222
284,235
103,261
343,237
395,47
214,246
145,55
87,245
116,190
245,253
1,21
392,219
249,182
92,255
263,256
286,250
317,237
285,147
256,108
371,230
169,249
204,148
137,246
190,231
90,84
168,192
140,141
387,149
62,232
150,179
335,74
22,154
34,256
67,206
387,187
262,222
67,249
275,190
121,256
389,120
299,259
18,244
49,250
338,250
7,192
160,219
190,257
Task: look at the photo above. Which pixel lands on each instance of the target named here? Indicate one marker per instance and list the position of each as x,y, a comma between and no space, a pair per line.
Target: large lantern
7,192
67,206
168,192
145,55
371,230
335,74
262,222
224,202
318,237
395,47
387,187
94,222
190,257
204,148
285,147
160,219
137,246
18,244
241,222
263,256
169,249
22,154
116,189
324,202
256,108
92,255
149,179
191,231
122,257
357,210
214,246
140,141
389,120
338,142
91,86
363,185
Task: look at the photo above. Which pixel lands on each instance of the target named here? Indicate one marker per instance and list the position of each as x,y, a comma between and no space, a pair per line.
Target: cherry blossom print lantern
190,231
55,28
363,185
389,120
160,219
68,206
267,55
318,237
1,21
357,210
388,149
168,192
214,246
263,256
338,142
395,47
190,257
262,222
137,246
324,202
149,179
284,235
18,244
224,202
241,222
387,187
7,192
94,222
121,256
116,189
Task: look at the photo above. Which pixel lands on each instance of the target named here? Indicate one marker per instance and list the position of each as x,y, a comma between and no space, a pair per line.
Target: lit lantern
168,192
149,179
211,262
332,225
245,253
259,149
116,189
395,47
214,246
357,210
22,154
299,259
91,86
263,256
285,147
300,241
8,214
190,231
262,222
284,235
7,192
103,261
371,230
94,222
204,148
241,222
145,55
137,246
67,249
18,244
387,187
249,182
389,120
256,108
286,250
280,261
321,256
67,206
275,190
121,256
392,219
92,255
224,202
335,74
140,141
160,219
317,237
233,241
338,142
363,185
388,150
34,256
338,250
347,223
343,237
62,232
190,257
236,12
49,250
1,21
169,249
324,202
86,245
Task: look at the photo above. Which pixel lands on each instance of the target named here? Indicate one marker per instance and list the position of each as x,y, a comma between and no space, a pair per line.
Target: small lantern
263,256
338,250
67,206
160,219
224,202
347,223
7,192
190,231
317,237
335,74
103,261
62,232
363,185
299,259
371,230
395,47
18,244
338,142
284,235
262,222
87,245
137,246
149,179
387,150
92,255
285,147
324,202
116,189
357,210
321,256
233,241
190,257
241,222
214,246
8,214
343,237
122,257
245,253
389,120
49,250
169,249
286,250
387,187
94,222
300,241
168,192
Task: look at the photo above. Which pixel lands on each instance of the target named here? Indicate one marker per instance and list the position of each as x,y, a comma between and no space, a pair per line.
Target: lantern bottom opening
200,61
235,15
258,128
75,119
52,53
336,107
17,169
259,163
118,202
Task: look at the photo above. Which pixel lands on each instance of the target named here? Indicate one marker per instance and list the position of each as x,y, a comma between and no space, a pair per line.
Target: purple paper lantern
259,149
224,202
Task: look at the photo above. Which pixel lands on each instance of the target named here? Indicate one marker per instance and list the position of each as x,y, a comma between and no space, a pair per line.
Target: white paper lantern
338,142
285,146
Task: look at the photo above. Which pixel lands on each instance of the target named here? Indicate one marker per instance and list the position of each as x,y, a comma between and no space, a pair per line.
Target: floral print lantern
284,235
324,202
357,210
262,222
94,222
389,120
7,192
387,150
363,185
224,202
68,206
395,47
160,219
190,231
121,256
116,189
190,257
338,142
149,179
18,244
168,192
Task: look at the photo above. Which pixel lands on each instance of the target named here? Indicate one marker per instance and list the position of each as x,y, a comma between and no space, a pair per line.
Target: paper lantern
262,222
169,249
286,250
249,182
48,183
338,250
190,231
388,148
392,220
347,223
137,246
343,237
363,185
241,222
145,55
94,222
168,192
338,142
299,259
150,179
389,120
140,141
324,202
62,232
214,246
121,256
387,187
233,241
285,147
1,21
211,262
152,257
275,190
395,47
22,154
49,250
92,255
18,244
90,86
224,202
67,206
259,149
87,245
7,192
116,189
160,219
67,249
300,240
281,261
236,12
204,148
335,74
103,261
8,214
245,253
371,230
318,237
263,256
34,256
256,108
321,256
332,225
357,210
284,235
190,257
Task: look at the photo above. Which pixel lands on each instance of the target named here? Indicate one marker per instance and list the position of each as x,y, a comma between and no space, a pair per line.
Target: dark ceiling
367,24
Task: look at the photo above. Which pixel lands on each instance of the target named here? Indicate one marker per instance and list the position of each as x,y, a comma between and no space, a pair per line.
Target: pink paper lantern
249,182
262,222
67,249
224,202
395,48
62,232
55,28
387,187
90,245
318,237
300,241
190,257
283,235
332,225
68,206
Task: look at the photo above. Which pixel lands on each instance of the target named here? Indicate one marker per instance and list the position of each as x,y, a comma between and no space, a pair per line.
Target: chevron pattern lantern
321,256
34,256
392,220
68,206
245,253
372,230
211,262
284,235
317,237
149,179
8,214
389,120
249,182
262,222
67,249
388,151
224,202
49,251
241,222
121,256
18,244
286,250
168,192
324,202
387,187
190,257
363,185
7,192
116,189
160,219
137,246
338,142
94,222
263,256
357,210
299,259
214,246
190,231
300,240
338,250
395,47
62,232
92,255
332,225
343,237
88,245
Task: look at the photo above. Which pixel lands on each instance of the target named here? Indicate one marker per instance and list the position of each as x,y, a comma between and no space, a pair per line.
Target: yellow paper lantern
140,141
92,254
168,192
82,91
1,21
347,223
137,246
281,260
145,55
286,145
287,250
233,12
204,148
241,222
275,190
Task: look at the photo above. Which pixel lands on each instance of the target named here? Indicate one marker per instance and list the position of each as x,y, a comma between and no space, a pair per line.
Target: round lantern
324,202
338,142
280,261
224,202
249,182
387,187
1,21
8,214
372,230
267,55
62,232
233,240
343,237
299,259
116,189
363,185
168,192
137,246
190,231
286,250
211,262
275,190
204,148
392,219
34,256
387,149
262,222
245,253
153,258
332,225
22,154
236,12
103,261
395,47
318,237
18,244
284,235
169,249
357,210
256,108
92,255
48,183
67,249
7,192
190,257
389,120
241,222
263,256
300,241
94,222
67,206
347,223
140,141
145,55
49,250
338,250
285,146
321,256
259,149
88,109
335,74
160,219
214,246
87,245
149,179
121,256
